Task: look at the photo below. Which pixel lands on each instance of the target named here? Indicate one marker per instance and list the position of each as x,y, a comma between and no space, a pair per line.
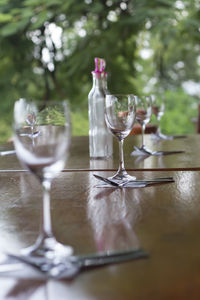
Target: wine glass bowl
120,117
158,109
44,156
143,116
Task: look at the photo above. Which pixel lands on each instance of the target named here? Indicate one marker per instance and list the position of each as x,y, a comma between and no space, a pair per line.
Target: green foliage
117,30
80,124
51,115
180,109
5,131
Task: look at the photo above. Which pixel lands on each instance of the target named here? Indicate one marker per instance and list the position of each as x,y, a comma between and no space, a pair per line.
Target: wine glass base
141,151
161,136
48,249
120,178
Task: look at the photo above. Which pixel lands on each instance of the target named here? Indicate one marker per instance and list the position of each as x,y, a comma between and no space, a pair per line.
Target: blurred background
47,50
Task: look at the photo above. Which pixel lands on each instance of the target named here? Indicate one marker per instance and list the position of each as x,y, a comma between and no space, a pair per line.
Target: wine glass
44,158
158,109
143,115
120,117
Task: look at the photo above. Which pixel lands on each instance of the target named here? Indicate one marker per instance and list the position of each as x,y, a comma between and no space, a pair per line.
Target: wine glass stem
143,131
158,130
46,227
158,126
121,155
32,132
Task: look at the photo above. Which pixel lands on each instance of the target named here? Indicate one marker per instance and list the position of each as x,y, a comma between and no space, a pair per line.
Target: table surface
79,156
163,220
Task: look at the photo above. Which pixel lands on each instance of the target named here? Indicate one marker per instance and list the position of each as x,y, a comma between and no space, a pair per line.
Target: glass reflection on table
110,217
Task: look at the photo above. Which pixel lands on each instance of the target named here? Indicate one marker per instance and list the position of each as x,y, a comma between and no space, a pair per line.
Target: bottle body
100,139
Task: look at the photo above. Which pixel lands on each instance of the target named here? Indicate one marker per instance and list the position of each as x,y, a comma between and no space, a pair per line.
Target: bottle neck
97,80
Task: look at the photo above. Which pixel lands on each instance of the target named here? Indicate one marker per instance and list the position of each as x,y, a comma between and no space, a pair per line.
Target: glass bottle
104,76
100,139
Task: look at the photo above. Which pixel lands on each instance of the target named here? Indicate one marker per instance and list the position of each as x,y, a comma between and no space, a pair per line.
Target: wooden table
163,220
79,155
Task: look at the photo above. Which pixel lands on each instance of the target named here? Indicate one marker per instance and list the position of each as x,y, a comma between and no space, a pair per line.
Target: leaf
15,11
14,27
5,18
27,13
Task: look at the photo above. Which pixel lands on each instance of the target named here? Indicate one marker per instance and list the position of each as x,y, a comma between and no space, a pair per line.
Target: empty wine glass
45,158
143,115
120,117
158,109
